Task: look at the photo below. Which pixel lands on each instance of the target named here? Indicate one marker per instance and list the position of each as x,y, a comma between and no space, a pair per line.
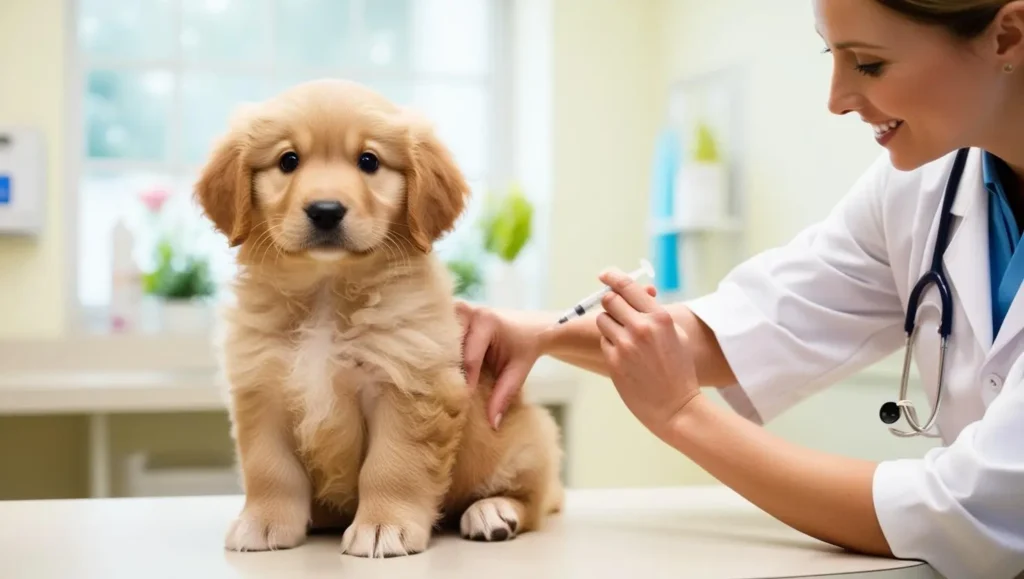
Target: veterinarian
941,82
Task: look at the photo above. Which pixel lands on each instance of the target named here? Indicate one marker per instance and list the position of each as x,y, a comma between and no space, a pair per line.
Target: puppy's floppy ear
224,188
436,190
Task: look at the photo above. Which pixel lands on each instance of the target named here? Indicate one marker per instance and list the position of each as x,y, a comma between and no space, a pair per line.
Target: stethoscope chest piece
889,412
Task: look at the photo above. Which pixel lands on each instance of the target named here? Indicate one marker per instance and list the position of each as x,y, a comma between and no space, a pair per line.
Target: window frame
501,162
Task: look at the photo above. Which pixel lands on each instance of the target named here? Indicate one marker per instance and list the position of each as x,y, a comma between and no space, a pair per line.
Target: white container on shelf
701,195
126,281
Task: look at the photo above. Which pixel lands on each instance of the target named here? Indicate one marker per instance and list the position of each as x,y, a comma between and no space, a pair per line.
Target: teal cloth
1006,263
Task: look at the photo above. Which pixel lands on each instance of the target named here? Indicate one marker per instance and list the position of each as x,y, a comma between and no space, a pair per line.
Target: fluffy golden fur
343,350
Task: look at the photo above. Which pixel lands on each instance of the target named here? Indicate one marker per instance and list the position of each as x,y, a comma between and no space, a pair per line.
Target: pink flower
154,199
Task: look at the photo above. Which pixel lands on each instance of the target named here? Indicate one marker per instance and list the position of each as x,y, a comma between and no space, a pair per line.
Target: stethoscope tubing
890,412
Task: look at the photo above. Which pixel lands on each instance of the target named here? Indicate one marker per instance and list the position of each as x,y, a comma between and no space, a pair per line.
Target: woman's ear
1009,31
224,189
436,190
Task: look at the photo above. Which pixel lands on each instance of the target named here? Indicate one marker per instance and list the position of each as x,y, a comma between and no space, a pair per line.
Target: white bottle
126,283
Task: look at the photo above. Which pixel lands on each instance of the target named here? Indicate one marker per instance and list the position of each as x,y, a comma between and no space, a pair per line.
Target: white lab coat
793,320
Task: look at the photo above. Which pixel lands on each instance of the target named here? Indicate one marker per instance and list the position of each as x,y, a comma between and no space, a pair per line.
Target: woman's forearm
712,367
575,342
821,495
578,342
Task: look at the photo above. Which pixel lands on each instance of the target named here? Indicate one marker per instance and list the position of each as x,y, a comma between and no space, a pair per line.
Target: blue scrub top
1006,262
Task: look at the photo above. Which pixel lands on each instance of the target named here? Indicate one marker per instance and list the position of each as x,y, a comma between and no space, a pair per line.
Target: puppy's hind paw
491,519
383,541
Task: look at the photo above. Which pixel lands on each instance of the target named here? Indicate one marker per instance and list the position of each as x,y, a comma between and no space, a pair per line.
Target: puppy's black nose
325,215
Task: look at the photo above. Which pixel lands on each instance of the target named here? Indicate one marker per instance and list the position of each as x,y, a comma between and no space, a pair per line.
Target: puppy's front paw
377,541
252,532
490,519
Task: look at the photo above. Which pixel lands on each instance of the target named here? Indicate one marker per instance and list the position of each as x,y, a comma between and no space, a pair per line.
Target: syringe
590,302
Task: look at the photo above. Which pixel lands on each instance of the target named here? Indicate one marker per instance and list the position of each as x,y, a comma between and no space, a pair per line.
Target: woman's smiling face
924,91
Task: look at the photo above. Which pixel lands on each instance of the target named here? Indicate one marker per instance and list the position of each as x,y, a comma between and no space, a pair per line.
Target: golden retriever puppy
343,350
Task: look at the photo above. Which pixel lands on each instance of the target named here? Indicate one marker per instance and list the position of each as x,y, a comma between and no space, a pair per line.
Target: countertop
704,532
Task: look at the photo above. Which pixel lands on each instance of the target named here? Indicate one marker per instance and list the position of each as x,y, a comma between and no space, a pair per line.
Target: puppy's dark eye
288,162
368,163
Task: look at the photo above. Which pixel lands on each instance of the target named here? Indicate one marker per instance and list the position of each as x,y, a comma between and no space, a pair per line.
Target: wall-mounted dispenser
22,180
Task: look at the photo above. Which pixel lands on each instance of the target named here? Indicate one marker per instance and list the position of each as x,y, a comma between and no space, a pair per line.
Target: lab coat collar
972,185
966,257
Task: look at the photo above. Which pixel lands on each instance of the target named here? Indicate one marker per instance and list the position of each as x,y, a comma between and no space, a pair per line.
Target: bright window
158,79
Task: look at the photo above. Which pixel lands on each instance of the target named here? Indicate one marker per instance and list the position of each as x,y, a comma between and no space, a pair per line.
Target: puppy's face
331,169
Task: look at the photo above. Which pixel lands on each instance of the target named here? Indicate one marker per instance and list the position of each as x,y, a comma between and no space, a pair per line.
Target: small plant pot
702,194
179,316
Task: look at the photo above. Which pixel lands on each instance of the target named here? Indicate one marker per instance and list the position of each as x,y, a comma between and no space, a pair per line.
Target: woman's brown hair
963,18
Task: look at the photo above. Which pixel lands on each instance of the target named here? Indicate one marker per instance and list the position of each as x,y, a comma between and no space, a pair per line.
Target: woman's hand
647,354
506,347
652,366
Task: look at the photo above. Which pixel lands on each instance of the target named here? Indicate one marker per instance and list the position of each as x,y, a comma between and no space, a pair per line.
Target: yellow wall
607,108
615,62
800,159
32,74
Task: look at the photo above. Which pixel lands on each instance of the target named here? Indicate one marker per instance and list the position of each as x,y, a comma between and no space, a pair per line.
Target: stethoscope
890,411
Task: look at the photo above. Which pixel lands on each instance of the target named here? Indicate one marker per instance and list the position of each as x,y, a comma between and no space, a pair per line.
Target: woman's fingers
475,344
620,310
610,329
635,294
507,384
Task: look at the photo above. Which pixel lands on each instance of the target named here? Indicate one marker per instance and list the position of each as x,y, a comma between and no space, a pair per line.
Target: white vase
185,316
701,194
505,286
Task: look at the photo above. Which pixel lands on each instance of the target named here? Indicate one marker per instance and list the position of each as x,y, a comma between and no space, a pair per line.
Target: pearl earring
1007,68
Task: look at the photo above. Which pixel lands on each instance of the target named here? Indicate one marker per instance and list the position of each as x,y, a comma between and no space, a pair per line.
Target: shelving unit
707,246
681,226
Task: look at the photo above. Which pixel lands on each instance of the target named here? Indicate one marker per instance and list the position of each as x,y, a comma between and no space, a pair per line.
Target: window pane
397,90
452,36
226,31
126,29
312,33
104,198
127,114
460,115
210,100
386,33
107,196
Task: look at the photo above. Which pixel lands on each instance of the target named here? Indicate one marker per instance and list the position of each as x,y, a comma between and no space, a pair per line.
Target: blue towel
665,247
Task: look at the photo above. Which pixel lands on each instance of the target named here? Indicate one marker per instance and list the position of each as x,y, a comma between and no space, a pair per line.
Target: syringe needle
588,303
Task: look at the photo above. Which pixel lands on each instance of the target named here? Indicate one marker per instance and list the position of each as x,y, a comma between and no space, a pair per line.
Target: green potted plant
467,277
507,226
182,287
